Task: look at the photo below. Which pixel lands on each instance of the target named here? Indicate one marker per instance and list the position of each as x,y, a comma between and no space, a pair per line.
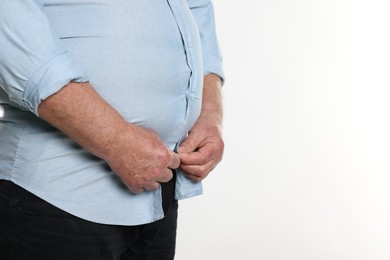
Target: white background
306,171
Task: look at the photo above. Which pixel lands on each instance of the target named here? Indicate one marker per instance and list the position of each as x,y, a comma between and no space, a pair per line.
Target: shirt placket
188,50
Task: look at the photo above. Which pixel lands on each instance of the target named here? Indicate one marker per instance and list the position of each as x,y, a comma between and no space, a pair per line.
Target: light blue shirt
147,58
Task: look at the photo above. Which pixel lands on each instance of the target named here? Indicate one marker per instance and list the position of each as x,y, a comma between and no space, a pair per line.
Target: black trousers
32,229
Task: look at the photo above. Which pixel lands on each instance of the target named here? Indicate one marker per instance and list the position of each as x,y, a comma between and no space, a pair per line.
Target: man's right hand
137,155
141,160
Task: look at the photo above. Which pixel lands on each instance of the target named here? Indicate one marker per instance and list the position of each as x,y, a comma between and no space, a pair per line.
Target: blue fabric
147,58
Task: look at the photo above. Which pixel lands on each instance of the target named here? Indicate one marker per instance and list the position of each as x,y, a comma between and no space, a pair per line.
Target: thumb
189,144
174,162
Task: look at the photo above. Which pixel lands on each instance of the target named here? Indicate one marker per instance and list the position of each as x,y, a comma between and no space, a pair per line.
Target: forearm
212,99
137,155
80,112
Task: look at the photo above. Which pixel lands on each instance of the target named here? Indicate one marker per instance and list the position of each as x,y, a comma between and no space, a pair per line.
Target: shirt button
2,112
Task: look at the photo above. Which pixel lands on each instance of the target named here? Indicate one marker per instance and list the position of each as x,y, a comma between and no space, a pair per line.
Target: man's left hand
202,150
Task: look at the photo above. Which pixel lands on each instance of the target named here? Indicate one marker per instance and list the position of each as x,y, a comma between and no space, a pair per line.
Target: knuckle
163,156
198,171
221,145
220,151
135,188
168,175
205,159
195,171
152,186
154,173
130,182
207,156
165,176
203,170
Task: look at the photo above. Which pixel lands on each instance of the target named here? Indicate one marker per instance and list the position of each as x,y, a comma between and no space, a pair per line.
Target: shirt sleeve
203,12
33,66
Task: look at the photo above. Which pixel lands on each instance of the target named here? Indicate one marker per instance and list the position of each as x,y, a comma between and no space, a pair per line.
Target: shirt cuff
214,66
50,78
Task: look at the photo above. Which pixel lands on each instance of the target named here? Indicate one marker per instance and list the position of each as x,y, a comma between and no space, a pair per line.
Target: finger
194,178
152,185
136,190
198,171
165,176
133,185
190,143
200,157
174,162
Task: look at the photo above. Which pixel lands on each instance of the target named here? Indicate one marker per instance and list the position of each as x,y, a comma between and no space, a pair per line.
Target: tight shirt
146,58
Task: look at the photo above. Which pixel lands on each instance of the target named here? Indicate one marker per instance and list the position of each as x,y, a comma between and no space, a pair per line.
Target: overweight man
110,112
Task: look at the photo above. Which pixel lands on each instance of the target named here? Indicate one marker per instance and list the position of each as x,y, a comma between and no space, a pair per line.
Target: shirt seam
17,154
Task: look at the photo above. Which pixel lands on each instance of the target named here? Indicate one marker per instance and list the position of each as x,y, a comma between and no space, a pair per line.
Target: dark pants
32,229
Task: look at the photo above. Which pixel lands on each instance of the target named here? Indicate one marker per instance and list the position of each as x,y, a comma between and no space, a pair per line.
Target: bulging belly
133,53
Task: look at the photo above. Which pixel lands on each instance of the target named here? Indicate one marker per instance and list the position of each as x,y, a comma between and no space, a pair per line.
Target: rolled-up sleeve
33,65
203,12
